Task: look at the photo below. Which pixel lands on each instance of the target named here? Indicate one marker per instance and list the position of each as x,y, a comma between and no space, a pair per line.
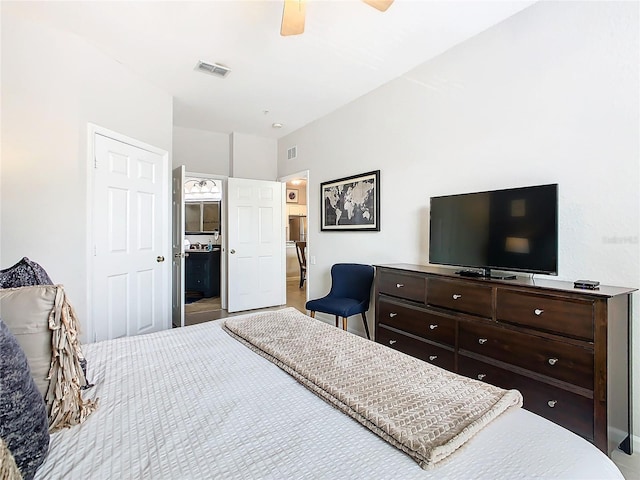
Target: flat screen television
514,230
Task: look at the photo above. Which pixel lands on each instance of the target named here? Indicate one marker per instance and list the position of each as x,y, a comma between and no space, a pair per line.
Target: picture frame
351,203
292,195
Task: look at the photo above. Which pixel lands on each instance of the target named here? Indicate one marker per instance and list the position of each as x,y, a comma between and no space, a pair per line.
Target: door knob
232,251
159,259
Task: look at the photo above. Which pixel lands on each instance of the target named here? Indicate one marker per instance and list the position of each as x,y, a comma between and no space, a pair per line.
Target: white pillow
44,322
26,310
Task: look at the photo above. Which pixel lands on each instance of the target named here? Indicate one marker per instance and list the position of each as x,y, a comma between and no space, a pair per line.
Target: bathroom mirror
202,217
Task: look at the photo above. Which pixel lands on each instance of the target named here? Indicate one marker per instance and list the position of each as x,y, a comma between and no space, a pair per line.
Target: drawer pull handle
552,361
538,312
433,326
399,285
552,403
432,357
456,296
392,314
482,341
481,376
391,342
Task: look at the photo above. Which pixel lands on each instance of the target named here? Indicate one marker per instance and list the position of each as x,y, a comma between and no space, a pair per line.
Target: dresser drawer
461,296
438,356
401,285
564,316
429,325
566,362
565,408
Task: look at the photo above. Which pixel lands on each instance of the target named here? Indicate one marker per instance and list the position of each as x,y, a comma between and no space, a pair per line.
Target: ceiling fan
294,12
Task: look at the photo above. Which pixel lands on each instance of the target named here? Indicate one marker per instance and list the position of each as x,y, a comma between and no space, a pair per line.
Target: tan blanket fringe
423,410
65,405
8,468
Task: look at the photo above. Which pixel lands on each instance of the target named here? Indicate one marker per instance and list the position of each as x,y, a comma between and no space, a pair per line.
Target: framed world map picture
351,203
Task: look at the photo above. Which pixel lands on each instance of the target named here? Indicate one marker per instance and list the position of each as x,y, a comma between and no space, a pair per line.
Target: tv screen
514,229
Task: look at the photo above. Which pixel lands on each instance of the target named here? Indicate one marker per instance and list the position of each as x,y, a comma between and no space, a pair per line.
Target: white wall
53,84
550,95
253,157
236,155
201,151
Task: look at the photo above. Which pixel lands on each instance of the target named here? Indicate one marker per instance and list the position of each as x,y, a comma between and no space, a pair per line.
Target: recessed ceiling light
276,125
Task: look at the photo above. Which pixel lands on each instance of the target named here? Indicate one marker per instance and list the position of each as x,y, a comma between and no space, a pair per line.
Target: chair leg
366,327
344,323
336,321
312,314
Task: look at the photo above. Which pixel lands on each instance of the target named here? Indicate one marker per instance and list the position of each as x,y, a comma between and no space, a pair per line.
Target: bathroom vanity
202,272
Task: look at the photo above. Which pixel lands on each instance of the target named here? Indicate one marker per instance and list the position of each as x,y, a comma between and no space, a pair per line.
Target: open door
177,246
255,247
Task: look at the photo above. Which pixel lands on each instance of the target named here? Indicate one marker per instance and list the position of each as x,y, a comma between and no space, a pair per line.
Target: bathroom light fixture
201,189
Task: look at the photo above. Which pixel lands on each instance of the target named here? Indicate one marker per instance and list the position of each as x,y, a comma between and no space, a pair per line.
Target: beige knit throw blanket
421,409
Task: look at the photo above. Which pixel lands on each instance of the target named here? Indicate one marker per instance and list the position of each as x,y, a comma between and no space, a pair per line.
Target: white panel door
177,248
256,277
130,293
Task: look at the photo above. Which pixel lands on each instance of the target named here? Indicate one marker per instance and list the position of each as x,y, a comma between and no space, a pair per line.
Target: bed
195,403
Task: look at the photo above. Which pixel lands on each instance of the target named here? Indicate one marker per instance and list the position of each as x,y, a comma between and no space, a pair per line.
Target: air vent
213,69
292,153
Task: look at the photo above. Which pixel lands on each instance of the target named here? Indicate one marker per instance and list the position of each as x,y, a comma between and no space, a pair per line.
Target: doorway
250,242
292,294
203,240
297,239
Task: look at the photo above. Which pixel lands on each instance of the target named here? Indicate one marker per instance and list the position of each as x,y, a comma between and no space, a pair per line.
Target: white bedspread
194,403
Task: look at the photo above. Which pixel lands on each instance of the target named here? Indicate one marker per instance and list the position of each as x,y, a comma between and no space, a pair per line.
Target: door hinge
95,162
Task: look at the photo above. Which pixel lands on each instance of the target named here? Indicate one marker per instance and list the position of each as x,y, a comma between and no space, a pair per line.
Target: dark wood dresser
566,349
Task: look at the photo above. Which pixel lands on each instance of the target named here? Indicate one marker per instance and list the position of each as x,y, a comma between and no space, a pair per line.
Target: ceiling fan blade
381,5
293,17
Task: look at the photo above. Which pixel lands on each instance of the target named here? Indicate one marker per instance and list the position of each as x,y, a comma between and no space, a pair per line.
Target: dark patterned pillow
23,418
23,274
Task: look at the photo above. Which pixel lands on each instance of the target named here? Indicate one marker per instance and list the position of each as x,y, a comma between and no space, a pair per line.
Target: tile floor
629,465
209,309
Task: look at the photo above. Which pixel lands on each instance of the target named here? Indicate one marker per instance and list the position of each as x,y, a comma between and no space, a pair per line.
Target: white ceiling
347,50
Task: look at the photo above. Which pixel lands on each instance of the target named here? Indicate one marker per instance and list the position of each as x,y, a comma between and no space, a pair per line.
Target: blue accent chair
350,293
